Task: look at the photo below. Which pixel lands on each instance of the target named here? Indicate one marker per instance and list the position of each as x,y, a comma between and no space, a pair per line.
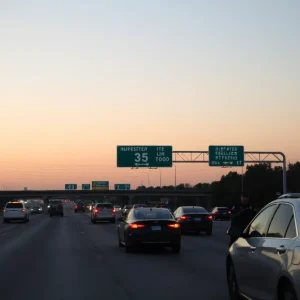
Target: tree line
262,182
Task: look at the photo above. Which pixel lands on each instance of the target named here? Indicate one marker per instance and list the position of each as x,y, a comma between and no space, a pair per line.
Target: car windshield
194,210
152,214
14,205
104,205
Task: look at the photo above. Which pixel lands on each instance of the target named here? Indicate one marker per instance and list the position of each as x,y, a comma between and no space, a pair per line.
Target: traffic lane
200,267
8,227
58,261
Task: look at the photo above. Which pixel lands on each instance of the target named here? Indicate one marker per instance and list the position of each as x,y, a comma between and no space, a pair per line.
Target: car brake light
96,211
76,206
209,217
23,210
113,211
176,225
134,226
184,217
4,210
229,212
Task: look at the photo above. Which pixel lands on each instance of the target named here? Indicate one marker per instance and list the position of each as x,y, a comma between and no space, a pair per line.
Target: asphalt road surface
72,259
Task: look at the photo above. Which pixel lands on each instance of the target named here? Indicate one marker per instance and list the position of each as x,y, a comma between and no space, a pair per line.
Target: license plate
156,228
197,219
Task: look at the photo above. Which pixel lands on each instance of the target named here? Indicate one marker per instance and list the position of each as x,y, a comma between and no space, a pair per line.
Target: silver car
264,263
103,212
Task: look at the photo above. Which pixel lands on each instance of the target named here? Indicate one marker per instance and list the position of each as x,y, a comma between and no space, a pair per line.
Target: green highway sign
144,156
70,186
86,186
100,185
122,186
226,156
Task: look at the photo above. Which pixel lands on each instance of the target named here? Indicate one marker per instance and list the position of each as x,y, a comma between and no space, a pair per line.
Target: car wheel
232,284
113,220
5,221
25,220
176,248
128,248
287,292
209,232
93,221
119,241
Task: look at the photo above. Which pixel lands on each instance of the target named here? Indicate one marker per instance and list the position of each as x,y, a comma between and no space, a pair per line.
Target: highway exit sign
70,186
86,186
144,156
122,187
226,156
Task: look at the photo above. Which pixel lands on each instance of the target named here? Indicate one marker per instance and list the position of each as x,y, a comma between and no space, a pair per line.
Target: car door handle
281,249
252,249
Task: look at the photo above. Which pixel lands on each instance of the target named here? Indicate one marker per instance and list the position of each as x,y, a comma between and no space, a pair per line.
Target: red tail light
176,225
4,210
113,211
135,226
184,217
23,210
76,206
209,217
229,212
96,211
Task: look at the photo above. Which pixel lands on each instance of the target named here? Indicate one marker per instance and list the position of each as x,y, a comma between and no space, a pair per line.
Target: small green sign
86,186
122,187
70,186
226,156
144,156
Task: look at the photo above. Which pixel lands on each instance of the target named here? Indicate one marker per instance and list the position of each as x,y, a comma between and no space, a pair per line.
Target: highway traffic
72,258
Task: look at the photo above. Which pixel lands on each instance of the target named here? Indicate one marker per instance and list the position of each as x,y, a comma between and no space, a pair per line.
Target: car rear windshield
14,205
222,209
104,205
158,214
194,210
55,202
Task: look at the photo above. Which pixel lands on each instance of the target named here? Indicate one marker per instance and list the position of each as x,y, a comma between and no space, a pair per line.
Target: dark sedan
144,226
79,206
194,218
221,213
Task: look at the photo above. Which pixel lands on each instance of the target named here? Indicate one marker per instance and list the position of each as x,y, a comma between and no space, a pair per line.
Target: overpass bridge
188,196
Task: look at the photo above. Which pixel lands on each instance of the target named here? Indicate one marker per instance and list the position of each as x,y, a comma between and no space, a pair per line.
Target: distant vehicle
221,213
103,212
149,226
139,205
194,218
14,211
126,209
263,263
117,207
56,208
79,206
36,209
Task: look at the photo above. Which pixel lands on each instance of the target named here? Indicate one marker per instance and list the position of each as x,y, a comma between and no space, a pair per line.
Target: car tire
93,221
113,220
233,288
119,241
286,292
209,232
128,249
75,211
5,220
25,220
176,248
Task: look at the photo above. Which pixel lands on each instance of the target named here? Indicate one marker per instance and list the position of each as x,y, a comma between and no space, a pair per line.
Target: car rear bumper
149,239
16,218
104,218
196,226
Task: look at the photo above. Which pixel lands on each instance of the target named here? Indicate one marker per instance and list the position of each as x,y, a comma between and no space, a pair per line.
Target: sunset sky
78,78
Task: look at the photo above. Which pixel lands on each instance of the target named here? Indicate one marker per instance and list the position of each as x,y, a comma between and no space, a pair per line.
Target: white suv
15,211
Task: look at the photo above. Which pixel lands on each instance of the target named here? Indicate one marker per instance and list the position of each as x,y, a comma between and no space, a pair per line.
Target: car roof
191,206
290,195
